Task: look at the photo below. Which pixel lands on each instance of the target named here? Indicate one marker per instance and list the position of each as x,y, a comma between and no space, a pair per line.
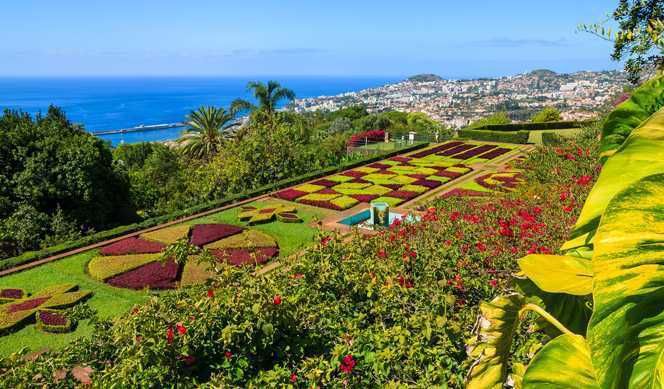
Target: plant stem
546,315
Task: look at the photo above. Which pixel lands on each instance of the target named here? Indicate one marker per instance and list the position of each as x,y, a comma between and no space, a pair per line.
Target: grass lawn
536,136
110,301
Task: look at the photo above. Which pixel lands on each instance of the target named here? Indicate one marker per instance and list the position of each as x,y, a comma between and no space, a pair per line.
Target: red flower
564,196
454,216
170,335
347,364
382,253
583,180
406,283
228,355
481,247
188,360
277,300
297,276
570,157
493,283
569,208
293,378
181,328
472,219
139,338
210,293
325,241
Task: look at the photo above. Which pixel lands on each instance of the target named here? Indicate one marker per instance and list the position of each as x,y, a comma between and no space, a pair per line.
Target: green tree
548,114
639,37
207,129
497,118
51,166
268,96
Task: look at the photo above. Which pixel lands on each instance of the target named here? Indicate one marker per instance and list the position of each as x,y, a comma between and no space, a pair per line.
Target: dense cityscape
455,103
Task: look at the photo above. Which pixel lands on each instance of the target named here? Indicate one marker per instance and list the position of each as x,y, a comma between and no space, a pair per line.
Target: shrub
246,239
519,137
370,136
344,202
168,235
154,275
392,201
308,188
49,320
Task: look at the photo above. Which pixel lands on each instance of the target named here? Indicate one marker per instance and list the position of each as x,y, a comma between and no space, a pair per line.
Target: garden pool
363,219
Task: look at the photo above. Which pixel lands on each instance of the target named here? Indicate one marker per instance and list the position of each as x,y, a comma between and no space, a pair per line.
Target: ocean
115,103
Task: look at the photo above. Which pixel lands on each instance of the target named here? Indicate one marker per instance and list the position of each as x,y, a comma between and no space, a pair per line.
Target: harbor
140,128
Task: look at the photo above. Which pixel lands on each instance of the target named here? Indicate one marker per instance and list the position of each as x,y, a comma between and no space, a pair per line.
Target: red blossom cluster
369,136
347,364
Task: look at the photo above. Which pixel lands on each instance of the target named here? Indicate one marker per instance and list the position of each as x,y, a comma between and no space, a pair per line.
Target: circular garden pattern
138,263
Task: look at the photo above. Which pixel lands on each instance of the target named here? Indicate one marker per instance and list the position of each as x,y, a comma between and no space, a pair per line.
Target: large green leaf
645,100
559,273
562,363
641,155
490,348
626,331
571,311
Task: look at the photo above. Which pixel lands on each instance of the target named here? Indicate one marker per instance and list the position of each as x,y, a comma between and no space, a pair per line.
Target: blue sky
299,37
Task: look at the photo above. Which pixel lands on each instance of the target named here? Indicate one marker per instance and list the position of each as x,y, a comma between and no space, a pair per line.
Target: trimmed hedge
519,137
31,256
551,139
560,125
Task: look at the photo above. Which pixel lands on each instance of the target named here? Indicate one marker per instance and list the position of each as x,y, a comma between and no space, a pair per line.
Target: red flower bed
202,234
155,275
239,257
456,150
353,173
132,245
392,186
436,149
364,198
359,181
378,165
448,174
402,194
325,183
11,293
52,318
292,194
321,204
463,193
418,176
494,153
370,136
327,191
28,304
401,159
428,183
474,152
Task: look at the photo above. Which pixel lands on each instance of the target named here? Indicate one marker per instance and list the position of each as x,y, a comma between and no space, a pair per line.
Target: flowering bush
370,136
394,308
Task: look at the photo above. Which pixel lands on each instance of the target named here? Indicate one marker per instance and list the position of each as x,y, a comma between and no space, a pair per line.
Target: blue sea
115,103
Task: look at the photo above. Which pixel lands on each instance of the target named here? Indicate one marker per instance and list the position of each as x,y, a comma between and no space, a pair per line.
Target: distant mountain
425,78
543,73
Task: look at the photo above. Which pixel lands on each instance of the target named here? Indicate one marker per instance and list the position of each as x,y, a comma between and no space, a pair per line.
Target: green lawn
536,136
110,301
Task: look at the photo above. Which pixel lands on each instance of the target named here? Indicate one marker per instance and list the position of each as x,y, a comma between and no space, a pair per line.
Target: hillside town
456,103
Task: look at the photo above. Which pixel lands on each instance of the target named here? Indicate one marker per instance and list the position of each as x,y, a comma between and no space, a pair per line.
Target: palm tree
208,127
268,97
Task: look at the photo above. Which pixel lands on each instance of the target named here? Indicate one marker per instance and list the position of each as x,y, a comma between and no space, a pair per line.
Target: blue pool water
363,219
123,102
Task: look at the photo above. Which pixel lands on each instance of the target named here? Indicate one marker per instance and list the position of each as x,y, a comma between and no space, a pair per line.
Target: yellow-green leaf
559,273
562,363
490,348
626,331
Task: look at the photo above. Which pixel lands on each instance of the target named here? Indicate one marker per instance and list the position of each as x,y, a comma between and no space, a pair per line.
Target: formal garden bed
395,180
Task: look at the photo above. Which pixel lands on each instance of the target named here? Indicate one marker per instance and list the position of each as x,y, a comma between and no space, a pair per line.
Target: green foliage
207,129
639,39
494,119
268,96
643,102
519,137
548,114
53,169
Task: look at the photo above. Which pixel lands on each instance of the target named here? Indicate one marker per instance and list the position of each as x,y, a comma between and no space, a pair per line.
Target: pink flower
228,355
347,364
382,253
325,241
277,300
493,283
293,378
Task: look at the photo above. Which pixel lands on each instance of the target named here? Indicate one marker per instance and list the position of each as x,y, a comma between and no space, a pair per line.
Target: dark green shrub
520,137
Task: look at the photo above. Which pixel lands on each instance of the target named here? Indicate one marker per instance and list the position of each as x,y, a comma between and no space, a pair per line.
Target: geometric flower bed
136,264
395,180
487,184
20,310
253,215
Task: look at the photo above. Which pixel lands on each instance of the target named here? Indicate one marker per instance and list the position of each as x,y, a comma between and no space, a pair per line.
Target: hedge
520,137
551,139
31,256
559,125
